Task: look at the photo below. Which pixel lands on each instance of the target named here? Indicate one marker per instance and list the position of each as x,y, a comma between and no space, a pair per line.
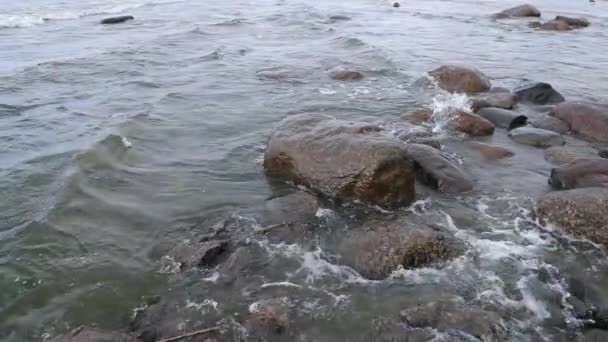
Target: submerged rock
269,321
344,74
580,173
491,152
469,123
588,120
518,12
377,247
550,124
88,334
117,20
299,207
340,17
580,212
341,160
198,254
435,170
448,315
504,118
418,116
551,25
536,137
566,154
460,79
538,93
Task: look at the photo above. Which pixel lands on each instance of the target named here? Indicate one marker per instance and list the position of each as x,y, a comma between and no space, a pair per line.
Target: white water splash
443,106
204,306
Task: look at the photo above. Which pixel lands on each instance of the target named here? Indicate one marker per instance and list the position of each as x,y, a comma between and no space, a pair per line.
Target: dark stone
550,124
117,20
587,120
377,247
538,93
603,153
518,12
504,118
341,160
435,170
396,4
491,152
536,137
551,25
447,315
574,22
580,212
580,173
88,334
198,254
340,17
458,79
299,207
565,154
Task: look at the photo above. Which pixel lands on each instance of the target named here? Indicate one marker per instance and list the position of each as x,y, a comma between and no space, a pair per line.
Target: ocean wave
31,20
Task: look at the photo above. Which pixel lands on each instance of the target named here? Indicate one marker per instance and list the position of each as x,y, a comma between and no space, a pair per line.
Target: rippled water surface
117,141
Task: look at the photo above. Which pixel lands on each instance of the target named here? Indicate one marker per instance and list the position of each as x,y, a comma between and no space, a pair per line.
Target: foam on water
443,106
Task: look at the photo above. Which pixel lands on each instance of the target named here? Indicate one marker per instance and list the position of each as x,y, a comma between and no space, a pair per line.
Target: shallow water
115,141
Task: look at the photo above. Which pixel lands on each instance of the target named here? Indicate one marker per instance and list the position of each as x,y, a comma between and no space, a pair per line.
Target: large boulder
377,247
588,120
518,12
580,173
538,93
341,160
491,152
449,315
536,137
580,212
435,170
458,79
418,116
565,154
298,207
503,118
469,123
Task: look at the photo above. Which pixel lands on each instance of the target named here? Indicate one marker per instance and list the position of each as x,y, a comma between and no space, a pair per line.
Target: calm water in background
114,139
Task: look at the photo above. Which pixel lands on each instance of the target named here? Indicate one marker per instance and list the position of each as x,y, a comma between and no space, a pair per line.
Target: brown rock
459,79
418,116
341,160
299,207
518,12
580,173
552,25
580,212
590,121
268,319
505,100
198,254
469,123
491,152
550,123
344,74
379,246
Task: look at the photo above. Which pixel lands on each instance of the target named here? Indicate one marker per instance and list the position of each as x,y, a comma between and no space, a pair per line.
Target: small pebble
396,4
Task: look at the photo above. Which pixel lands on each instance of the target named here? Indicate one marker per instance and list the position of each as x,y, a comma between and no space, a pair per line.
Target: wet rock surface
495,98
580,212
580,173
437,171
536,137
117,20
455,78
538,93
418,116
550,124
520,11
504,118
198,254
469,123
342,73
565,154
447,315
376,248
588,120
88,334
341,160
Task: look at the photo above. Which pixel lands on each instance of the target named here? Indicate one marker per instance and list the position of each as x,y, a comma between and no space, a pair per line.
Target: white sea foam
443,106
126,143
205,306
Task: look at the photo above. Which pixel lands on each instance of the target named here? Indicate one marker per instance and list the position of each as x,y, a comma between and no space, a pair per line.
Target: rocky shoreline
372,177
